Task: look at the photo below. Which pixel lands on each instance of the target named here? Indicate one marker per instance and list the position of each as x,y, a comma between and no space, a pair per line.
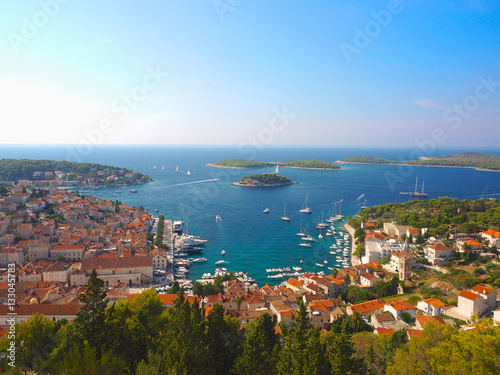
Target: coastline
264,185
213,165
420,165
354,259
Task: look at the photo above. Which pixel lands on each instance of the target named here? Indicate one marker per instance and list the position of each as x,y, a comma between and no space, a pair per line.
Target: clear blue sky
230,67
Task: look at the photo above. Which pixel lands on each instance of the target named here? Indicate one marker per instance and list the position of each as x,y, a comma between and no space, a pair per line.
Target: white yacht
177,225
305,209
284,217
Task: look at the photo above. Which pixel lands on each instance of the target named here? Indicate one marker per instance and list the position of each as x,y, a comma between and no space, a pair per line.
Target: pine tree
259,349
342,356
90,320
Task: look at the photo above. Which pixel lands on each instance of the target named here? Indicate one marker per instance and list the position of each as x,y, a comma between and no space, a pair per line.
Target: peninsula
42,173
252,164
264,180
474,160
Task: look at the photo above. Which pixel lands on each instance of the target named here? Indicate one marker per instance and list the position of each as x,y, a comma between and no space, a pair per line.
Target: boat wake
193,182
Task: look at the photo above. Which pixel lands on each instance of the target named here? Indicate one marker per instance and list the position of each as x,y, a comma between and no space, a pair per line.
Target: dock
168,239
354,259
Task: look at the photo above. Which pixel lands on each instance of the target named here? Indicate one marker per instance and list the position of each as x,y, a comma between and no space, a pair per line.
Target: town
401,277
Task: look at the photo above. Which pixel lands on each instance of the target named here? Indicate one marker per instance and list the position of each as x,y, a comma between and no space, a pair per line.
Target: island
252,164
264,180
44,173
486,162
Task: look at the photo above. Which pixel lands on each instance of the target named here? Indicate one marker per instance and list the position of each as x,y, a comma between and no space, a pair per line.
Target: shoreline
419,165
213,165
264,185
355,261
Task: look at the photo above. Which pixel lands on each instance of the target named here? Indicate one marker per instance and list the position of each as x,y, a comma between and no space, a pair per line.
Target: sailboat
305,209
154,167
322,224
416,194
163,168
301,233
188,173
276,171
284,217
266,211
304,244
177,169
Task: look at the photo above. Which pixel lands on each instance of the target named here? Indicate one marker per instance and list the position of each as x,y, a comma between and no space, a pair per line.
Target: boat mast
416,182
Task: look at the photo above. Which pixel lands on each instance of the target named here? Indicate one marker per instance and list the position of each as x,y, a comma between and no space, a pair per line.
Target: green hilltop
463,160
303,164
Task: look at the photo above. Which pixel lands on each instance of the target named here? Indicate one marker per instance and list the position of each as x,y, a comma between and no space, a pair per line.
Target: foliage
265,178
366,159
443,349
317,164
354,294
245,163
443,215
15,169
468,159
389,288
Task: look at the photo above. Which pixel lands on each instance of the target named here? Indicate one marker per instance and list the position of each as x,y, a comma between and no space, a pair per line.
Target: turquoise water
255,241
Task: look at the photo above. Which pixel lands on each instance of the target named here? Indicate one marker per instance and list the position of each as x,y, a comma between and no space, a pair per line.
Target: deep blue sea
255,241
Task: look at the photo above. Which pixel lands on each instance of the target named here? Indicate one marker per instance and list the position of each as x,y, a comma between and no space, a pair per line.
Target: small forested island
67,173
251,164
475,160
264,180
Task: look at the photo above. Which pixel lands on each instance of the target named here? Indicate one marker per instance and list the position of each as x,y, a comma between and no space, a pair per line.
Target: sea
254,241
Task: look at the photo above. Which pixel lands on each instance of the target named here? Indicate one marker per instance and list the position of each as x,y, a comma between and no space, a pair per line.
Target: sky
232,72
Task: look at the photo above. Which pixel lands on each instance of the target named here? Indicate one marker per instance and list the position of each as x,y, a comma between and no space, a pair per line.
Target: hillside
301,164
264,179
30,169
466,215
462,160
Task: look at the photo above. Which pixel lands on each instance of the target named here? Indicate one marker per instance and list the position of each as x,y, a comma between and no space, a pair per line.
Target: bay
255,241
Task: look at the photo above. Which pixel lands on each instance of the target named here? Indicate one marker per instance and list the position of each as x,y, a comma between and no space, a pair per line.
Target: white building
431,306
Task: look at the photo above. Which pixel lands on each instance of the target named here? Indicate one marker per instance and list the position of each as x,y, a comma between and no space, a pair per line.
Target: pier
354,259
168,239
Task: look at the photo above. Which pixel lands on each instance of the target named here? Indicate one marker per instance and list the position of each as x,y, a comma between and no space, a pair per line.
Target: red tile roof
468,295
482,289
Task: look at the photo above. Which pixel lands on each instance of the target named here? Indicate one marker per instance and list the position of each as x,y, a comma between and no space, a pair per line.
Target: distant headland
485,162
44,173
264,180
252,164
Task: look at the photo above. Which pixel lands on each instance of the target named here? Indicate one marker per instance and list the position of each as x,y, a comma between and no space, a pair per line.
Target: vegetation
140,337
366,159
443,215
305,164
466,159
265,179
243,163
15,169
158,242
